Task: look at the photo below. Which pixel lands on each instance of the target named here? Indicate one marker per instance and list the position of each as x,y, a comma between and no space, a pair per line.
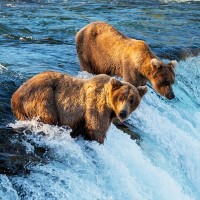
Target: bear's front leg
129,75
96,126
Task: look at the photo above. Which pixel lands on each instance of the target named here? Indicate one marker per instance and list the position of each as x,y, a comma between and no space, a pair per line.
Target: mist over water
44,162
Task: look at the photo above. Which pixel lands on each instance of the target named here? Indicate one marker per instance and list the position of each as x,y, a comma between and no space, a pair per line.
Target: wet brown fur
104,50
86,105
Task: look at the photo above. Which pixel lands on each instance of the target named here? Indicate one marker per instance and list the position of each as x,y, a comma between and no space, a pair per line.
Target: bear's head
163,77
124,98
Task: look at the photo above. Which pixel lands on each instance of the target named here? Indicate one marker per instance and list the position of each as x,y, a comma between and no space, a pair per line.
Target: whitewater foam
174,127
2,68
116,170
177,1
6,190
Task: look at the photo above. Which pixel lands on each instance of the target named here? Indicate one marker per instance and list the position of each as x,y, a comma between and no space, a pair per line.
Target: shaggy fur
86,105
104,50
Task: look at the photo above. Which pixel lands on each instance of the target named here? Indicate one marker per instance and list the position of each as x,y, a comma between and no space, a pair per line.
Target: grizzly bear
102,49
87,106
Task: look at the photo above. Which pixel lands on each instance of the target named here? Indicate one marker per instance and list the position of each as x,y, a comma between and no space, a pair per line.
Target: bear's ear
142,90
155,63
115,83
173,63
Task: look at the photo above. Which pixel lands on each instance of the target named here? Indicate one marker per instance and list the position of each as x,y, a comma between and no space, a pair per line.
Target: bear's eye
167,82
131,101
115,98
121,98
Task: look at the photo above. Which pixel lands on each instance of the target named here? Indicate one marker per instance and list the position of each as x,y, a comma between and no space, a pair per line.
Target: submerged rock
17,155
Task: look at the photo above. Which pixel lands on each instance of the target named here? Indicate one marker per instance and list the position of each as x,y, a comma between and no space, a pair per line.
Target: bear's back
98,30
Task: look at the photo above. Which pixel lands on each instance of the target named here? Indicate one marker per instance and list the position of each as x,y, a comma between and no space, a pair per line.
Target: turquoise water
39,35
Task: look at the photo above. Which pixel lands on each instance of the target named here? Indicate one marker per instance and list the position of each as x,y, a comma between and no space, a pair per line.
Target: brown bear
88,106
104,50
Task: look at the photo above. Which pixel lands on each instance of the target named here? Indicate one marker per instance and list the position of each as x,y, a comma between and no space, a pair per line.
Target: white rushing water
178,1
166,164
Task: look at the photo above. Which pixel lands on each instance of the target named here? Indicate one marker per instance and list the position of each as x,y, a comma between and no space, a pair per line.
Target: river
163,163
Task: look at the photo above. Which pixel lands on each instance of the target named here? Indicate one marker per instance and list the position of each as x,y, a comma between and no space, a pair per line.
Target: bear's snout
123,114
170,95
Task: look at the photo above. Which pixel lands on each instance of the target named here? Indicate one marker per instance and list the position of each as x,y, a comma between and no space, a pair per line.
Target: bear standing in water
88,106
104,50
